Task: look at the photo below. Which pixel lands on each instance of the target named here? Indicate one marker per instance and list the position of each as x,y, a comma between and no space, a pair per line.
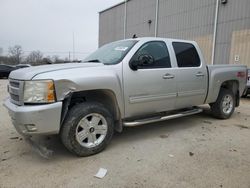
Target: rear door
191,77
151,88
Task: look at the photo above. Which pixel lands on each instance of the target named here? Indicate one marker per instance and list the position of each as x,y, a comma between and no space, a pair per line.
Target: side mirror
143,60
133,65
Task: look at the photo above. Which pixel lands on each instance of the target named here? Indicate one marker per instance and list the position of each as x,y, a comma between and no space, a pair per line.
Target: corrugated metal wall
234,19
190,19
111,25
139,12
185,19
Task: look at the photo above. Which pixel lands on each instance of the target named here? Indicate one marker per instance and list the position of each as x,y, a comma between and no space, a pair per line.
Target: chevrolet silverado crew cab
124,83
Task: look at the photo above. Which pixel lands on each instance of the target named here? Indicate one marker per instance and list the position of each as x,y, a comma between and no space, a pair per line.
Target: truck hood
29,73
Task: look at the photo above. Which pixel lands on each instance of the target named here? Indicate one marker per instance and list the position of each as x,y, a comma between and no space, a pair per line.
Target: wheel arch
232,85
104,96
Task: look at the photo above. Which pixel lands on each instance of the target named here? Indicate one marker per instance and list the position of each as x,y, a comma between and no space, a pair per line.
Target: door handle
200,74
168,76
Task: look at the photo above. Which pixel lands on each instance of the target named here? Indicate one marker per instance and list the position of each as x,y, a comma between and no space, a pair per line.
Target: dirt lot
196,151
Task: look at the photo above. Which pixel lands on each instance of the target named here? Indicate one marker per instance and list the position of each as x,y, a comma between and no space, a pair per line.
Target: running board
163,118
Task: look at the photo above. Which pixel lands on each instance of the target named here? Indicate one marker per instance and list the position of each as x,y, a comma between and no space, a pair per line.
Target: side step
162,118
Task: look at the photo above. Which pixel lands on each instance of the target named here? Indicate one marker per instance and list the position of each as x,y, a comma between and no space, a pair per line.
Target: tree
35,58
56,59
15,54
47,60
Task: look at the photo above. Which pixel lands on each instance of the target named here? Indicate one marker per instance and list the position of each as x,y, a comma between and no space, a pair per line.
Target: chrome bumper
35,119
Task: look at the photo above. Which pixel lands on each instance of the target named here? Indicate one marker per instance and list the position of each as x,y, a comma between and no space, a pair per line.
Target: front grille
15,89
14,97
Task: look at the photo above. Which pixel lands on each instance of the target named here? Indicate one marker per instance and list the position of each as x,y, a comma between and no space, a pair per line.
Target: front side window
186,55
158,51
111,53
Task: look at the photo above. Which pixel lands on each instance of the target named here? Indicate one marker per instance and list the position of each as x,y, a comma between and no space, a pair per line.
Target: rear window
186,55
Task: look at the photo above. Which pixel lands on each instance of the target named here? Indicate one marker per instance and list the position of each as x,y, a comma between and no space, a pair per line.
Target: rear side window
186,55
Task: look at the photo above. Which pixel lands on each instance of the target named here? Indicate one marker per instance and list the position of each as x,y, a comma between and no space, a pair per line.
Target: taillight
241,75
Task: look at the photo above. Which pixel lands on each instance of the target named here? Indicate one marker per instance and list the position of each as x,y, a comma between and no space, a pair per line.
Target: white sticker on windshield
121,48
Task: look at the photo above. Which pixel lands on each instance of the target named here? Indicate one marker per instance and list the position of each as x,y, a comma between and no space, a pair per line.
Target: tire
224,106
79,132
2,76
244,96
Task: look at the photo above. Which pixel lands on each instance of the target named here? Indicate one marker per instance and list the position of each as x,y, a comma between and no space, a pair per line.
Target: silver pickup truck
124,83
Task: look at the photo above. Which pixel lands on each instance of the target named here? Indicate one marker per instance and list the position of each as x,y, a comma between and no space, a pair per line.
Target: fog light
31,127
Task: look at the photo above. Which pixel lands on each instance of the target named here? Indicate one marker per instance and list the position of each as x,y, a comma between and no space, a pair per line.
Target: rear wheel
224,106
88,128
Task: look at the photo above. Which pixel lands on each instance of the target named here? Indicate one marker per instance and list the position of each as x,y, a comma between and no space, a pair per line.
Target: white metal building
221,27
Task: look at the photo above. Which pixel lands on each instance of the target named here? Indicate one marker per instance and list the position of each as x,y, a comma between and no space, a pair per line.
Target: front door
152,87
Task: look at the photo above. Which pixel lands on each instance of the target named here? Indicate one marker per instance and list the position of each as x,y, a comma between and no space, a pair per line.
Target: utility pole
156,17
215,30
73,46
125,19
1,51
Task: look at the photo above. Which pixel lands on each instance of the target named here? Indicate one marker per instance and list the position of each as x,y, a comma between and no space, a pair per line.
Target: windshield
111,53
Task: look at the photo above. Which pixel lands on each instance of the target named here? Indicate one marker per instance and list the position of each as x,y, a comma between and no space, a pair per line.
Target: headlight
41,91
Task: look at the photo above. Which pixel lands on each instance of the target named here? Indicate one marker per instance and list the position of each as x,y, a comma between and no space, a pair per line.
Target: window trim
196,52
154,67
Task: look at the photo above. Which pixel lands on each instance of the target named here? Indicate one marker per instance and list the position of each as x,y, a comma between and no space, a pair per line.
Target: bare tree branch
15,54
35,58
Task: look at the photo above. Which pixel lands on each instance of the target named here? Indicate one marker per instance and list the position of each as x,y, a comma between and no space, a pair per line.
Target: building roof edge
116,5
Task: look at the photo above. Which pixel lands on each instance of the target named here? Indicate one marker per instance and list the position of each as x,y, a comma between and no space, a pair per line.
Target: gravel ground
195,151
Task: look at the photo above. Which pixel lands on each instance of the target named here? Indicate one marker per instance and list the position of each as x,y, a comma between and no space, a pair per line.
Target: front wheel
224,106
88,128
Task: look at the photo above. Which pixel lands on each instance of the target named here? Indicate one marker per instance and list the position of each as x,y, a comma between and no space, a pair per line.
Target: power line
52,52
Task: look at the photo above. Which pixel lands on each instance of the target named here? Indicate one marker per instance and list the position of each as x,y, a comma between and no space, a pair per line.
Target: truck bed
218,74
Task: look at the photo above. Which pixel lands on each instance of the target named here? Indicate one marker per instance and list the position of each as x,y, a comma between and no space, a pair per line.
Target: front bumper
35,119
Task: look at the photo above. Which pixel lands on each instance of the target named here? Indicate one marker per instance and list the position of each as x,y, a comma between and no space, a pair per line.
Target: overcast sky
48,25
